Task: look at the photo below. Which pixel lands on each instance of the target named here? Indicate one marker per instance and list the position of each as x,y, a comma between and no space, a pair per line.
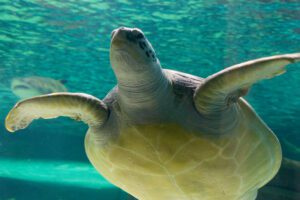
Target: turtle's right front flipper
220,90
79,106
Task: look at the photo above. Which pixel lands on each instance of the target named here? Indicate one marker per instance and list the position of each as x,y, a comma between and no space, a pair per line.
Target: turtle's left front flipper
79,106
219,91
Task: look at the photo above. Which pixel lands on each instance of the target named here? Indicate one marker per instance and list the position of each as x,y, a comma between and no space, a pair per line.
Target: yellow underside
163,162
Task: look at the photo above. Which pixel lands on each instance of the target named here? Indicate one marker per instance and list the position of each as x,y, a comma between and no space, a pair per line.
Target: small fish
27,87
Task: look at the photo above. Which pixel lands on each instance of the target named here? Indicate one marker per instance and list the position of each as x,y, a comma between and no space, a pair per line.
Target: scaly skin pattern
166,161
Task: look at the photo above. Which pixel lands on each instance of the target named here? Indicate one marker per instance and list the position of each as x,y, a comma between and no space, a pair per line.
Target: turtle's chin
129,60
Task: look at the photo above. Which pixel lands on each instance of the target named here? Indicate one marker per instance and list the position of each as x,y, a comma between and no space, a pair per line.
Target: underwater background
69,40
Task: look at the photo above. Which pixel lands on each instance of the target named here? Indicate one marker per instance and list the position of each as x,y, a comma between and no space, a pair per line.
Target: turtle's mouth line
118,42
123,52
119,50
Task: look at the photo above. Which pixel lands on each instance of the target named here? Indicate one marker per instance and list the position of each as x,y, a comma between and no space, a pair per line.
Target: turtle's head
141,80
131,53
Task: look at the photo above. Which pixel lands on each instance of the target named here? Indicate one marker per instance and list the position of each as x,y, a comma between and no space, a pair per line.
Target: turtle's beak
130,49
124,35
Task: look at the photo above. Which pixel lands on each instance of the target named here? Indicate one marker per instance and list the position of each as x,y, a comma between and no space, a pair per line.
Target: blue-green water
70,40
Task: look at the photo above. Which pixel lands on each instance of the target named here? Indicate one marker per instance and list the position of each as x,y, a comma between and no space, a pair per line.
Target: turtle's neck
143,90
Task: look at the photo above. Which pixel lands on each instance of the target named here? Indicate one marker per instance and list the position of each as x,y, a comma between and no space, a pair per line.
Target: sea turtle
26,87
162,134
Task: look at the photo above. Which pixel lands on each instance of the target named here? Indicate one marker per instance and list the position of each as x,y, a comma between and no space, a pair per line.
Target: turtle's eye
134,35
